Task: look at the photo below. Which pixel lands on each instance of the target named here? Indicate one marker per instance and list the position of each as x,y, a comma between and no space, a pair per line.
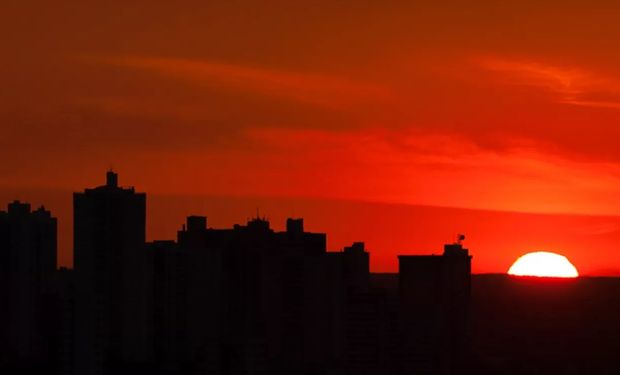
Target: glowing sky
473,104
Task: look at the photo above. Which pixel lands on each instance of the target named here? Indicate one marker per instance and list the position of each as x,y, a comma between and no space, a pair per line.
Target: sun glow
543,264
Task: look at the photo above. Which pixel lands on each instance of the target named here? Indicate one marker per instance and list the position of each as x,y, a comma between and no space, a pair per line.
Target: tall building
170,306
199,277
434,293
27,267
113,280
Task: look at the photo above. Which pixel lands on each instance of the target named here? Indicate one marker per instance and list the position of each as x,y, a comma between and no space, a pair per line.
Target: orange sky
473,104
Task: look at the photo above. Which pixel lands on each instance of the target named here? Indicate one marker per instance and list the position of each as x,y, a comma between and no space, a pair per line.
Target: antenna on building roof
111,178
460,238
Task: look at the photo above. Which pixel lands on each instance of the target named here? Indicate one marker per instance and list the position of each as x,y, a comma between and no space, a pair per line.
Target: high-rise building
27,267
434,292
170,306
113,279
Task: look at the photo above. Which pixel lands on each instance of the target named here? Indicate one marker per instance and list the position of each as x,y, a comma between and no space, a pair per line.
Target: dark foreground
545,326
530,325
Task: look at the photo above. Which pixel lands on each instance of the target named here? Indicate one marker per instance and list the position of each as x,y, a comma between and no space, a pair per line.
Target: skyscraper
434,293
27,265
113,279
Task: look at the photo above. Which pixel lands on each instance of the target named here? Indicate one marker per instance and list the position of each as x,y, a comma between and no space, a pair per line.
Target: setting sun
543,264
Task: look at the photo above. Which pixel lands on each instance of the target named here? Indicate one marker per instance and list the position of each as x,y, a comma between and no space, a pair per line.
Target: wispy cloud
520,179
318,89
569,85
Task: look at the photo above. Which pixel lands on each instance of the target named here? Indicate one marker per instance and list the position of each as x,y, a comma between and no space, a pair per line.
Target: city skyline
419,319
241,300
386,228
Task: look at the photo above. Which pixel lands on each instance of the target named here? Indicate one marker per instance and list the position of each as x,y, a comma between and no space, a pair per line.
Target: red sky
501,106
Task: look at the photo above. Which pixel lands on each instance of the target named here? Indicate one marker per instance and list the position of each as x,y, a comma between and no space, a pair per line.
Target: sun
543,264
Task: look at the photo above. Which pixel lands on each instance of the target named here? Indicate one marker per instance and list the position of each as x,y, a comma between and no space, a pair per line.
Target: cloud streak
318,89
519,179
569,85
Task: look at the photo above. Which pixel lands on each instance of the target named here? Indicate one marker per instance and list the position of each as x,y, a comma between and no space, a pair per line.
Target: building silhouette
27,271
112,279
249,300
434,293
242,300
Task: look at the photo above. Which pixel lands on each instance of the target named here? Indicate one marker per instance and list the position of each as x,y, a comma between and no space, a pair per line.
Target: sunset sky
398,123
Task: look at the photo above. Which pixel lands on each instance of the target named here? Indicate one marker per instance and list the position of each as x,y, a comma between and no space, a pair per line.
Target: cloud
318,89
569,85
366,166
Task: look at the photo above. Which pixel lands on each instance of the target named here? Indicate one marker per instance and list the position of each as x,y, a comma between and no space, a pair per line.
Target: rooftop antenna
460,238
111,178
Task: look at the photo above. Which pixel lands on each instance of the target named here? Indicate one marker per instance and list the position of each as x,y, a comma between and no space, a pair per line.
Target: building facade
27,269
113,280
